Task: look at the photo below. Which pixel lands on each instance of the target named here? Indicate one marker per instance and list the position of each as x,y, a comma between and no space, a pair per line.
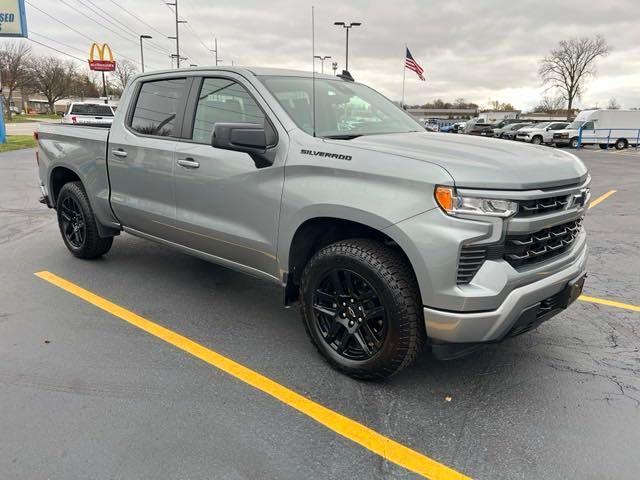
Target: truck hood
476,162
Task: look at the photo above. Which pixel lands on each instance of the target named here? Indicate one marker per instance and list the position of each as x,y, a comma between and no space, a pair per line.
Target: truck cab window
157,106
223,101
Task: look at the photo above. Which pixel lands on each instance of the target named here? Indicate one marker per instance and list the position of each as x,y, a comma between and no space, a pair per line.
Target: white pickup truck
86,113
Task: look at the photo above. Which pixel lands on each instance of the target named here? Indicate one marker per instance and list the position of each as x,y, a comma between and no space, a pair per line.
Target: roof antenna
313,68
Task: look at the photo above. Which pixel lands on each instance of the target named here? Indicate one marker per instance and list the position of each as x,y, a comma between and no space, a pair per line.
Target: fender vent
471,259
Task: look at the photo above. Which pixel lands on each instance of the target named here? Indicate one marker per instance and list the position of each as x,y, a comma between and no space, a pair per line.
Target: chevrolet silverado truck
389,237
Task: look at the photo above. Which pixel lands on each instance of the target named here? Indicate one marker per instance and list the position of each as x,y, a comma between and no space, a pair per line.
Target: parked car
540,132
618,128
482,129
506,121
510,133
447,128
387,235
85,113
499,132
15,110
458,127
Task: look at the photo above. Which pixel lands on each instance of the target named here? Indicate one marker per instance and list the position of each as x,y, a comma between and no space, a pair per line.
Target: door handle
119,153
188,163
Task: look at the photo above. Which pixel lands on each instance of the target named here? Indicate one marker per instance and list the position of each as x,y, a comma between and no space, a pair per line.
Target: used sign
13,20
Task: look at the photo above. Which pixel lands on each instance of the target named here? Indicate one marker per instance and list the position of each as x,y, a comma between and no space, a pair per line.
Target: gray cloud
479,50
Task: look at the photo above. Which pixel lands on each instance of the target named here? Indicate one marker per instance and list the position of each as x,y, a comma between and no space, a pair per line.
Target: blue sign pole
3,131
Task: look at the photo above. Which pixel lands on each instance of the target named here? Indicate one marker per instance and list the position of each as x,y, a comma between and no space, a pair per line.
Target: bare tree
124,71
83,86
499,106
571,64
613,104
53,78
14,58
550,104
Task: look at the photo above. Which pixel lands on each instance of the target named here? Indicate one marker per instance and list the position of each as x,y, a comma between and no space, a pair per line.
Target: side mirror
250,138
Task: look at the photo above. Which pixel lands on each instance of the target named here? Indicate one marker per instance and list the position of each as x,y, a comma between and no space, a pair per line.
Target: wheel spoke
337,283
324,296
334,328
348,283
363,343
344,340
374,312
330,312
368,332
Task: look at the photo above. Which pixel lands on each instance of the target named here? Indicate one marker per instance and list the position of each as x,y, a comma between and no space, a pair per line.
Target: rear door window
157,107
93,110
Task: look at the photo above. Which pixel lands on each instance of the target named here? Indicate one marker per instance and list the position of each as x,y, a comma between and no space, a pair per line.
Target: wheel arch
58,177
315,233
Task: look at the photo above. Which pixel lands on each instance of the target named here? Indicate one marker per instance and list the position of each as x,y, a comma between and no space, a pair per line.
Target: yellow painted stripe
610,303
348,428
602,198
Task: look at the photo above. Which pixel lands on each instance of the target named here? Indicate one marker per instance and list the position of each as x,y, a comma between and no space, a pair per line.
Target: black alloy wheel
350,315
73,225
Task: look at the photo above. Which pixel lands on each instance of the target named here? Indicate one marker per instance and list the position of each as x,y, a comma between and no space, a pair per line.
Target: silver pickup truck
390,237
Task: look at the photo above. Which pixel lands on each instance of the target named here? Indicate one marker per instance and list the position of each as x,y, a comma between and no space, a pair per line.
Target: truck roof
257,71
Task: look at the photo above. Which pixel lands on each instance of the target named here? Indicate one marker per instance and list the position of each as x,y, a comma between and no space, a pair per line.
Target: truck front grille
523,250
528,208
519,250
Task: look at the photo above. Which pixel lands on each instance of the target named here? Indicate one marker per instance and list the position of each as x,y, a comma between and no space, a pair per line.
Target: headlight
453,203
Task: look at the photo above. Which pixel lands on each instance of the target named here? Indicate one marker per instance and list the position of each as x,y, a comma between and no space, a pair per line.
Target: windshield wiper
344,136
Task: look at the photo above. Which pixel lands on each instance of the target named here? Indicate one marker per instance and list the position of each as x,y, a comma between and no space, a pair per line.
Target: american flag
411,64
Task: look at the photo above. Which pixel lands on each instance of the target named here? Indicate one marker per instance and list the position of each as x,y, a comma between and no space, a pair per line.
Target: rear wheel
77,223
362,309
603,146
621,144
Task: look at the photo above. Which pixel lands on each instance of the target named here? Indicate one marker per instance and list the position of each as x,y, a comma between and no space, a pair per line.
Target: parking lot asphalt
84,394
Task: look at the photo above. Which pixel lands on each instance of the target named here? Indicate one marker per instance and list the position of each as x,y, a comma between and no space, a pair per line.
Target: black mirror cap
251,138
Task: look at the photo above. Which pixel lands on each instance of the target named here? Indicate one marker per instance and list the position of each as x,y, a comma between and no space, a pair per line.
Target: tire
77,223
621,144
393,319
537,140
573,143
603,146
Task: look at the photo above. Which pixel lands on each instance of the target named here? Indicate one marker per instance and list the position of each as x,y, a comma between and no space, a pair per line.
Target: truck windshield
575,125
344,110
95,110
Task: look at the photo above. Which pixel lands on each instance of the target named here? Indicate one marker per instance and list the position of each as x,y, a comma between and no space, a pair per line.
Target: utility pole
177,36
215,49
142,51
347,27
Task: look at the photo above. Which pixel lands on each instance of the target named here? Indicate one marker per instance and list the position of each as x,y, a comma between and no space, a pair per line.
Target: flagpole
404,72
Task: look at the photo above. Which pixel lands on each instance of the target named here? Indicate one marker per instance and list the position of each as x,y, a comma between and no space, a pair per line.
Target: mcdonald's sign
101,64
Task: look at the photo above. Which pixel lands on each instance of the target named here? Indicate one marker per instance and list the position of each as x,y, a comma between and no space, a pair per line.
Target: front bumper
515,310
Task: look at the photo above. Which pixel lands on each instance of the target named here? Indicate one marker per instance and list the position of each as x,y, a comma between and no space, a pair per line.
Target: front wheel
574,142
362,309
537,140
78,224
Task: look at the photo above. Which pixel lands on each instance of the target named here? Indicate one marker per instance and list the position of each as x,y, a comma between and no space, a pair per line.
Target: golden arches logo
101,64
105,48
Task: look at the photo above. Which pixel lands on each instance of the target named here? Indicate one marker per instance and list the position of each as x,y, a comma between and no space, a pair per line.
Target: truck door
141,157
226,205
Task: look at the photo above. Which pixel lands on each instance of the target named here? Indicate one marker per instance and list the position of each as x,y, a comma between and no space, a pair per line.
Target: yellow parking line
602,198
348,428
610,303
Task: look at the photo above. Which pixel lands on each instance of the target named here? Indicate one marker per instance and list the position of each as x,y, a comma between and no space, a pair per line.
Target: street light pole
322,59
347,27
142,51
215,49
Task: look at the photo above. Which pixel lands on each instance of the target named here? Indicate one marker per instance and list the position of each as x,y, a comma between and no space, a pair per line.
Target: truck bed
79,149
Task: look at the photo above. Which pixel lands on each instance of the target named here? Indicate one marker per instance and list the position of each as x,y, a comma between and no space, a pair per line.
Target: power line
164,35
129,31
56,41
55,49
72,29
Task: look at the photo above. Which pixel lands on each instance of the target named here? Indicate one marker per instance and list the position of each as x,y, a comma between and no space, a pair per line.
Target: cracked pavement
84,395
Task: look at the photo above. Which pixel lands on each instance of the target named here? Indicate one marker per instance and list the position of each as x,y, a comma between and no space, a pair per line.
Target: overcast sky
480,50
